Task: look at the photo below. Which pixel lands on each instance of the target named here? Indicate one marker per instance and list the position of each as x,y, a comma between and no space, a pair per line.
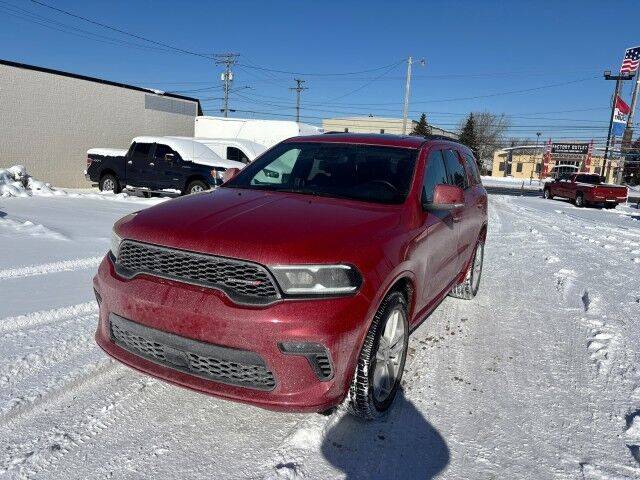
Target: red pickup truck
585,189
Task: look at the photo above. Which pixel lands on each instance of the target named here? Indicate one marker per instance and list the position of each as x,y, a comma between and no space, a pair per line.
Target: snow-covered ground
535,378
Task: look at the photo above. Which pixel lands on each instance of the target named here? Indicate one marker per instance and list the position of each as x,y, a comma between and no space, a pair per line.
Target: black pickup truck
166,165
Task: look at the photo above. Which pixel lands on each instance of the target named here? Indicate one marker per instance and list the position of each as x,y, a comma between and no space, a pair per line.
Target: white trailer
263,132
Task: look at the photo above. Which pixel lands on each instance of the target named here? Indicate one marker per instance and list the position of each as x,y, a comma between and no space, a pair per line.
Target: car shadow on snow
401,445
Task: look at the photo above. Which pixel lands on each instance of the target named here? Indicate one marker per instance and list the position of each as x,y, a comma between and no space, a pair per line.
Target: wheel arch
193,178
108,171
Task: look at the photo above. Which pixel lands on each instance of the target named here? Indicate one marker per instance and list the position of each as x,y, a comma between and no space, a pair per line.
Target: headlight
317,279
115,243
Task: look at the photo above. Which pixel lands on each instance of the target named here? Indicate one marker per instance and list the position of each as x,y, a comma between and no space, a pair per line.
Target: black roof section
99,80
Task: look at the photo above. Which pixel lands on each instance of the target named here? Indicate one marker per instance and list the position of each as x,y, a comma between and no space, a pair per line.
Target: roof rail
443,137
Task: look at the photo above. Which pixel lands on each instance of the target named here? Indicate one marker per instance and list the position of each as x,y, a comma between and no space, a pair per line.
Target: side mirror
229,173
169,157
445,197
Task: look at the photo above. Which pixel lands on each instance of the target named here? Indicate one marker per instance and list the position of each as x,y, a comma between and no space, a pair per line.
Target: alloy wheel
389,356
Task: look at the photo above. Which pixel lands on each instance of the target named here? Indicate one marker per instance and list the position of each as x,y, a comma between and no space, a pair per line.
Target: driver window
162,151
434,174
279,171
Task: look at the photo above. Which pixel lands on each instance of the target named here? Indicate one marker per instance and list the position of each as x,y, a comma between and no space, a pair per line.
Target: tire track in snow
32,363
48,268
46,316
39,454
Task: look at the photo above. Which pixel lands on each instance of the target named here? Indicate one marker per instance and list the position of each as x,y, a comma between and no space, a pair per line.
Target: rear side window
472,166
141,151
434,174
455,171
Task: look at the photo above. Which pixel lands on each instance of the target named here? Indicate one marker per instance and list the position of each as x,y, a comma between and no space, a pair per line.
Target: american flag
631,60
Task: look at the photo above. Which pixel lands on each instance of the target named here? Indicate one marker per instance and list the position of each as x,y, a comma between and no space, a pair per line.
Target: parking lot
537,380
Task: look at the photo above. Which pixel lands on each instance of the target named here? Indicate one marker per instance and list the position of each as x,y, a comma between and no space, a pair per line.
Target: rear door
435,247
138,165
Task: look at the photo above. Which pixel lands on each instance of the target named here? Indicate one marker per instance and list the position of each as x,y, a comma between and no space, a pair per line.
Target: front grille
212,362
244,282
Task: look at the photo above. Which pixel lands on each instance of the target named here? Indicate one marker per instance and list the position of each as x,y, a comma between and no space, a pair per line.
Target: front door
465,217
436,246
167,167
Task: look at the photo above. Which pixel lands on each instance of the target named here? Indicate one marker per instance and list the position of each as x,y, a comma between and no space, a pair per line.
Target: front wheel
580,200
381,361
547,194
196,186
471,283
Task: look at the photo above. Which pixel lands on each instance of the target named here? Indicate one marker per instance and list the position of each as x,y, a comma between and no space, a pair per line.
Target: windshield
592,179
361,172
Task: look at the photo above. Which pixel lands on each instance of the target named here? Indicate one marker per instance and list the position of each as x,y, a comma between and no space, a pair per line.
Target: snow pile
16,182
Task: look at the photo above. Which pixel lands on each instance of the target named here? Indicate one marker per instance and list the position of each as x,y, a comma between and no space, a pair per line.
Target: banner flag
620,117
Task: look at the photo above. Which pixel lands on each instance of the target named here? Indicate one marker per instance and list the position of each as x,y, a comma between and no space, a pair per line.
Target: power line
317,74
123,32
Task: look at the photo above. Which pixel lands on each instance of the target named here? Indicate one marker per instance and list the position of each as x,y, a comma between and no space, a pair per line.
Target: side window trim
471,181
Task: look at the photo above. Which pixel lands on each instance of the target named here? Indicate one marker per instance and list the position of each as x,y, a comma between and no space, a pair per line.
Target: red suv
296,284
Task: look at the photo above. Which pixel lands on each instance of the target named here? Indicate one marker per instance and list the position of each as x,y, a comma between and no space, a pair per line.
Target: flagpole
608,76
618,79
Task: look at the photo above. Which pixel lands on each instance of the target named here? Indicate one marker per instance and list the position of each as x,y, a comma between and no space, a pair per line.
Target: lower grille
212,362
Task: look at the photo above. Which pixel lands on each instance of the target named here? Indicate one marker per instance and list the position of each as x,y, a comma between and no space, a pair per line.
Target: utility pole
618,79
407,90
228,60
298,89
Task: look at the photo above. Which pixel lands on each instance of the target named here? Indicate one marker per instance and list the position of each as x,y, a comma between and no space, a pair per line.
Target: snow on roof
254,147
191,150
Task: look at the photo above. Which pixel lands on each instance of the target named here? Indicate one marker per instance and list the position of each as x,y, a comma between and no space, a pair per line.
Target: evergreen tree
469,135
422,128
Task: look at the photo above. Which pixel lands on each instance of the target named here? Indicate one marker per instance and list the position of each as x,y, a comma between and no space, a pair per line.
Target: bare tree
490,132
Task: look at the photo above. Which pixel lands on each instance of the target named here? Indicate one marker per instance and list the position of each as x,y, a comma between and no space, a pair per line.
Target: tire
610,206
196,186
471,283
109,183
579,201
371,393
547,194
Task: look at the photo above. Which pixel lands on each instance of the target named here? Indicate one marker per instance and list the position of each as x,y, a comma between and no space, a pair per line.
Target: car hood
264,227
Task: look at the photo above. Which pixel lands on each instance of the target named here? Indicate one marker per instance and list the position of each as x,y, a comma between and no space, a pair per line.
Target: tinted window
455,171
162,150
586,178
237,155
361,172
141,151
472,166
434,174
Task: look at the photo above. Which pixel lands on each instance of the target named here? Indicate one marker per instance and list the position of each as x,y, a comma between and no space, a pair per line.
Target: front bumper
210,317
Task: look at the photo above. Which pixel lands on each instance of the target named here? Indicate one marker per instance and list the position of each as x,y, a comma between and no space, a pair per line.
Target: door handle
152,164
129,162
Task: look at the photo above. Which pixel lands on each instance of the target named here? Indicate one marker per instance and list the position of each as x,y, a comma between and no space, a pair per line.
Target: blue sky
472,48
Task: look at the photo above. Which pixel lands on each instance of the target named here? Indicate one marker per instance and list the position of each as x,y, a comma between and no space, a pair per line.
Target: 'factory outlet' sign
570,148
